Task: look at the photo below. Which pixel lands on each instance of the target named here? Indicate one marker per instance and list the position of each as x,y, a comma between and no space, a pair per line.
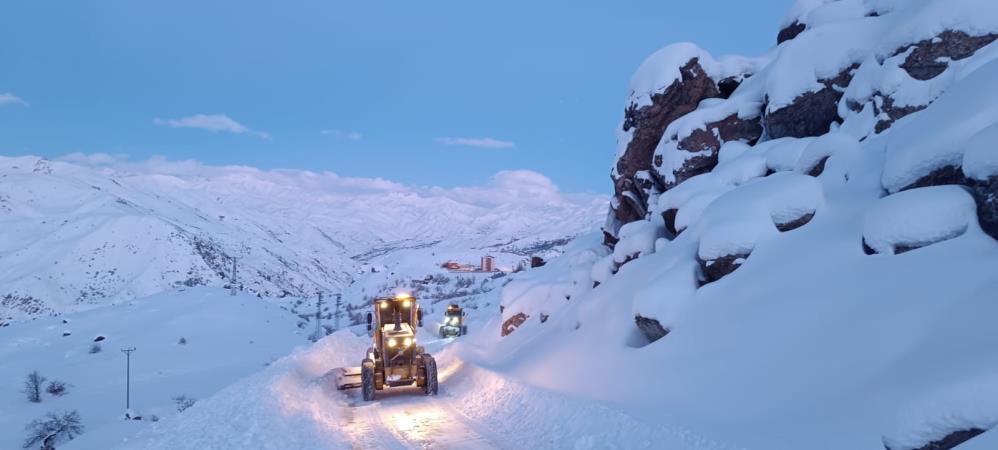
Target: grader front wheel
367,379
430,367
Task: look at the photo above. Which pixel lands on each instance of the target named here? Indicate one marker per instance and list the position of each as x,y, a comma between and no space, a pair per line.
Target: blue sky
442,93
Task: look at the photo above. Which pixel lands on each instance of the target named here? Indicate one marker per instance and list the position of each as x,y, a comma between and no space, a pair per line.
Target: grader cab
394,359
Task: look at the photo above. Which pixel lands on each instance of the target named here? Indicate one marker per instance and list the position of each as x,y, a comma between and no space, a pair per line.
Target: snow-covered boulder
980,158
918,217
684,204
691,145
783,154
737,221
814,157
636,239
918,157
810,73
659,305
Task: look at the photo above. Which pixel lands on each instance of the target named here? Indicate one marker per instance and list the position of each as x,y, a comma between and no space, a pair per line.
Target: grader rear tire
367,379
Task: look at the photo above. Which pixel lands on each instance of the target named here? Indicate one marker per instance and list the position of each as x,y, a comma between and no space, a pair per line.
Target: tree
56,388
33,387
183,402
52,429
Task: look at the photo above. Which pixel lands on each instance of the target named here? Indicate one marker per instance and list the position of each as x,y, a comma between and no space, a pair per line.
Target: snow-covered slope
81,234
801,251
188,343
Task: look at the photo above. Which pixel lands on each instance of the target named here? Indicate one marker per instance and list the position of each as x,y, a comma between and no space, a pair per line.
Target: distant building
488,264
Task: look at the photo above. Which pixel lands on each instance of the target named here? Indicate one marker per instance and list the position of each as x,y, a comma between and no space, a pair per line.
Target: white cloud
483,142
508,187
10,99
211,122
340,134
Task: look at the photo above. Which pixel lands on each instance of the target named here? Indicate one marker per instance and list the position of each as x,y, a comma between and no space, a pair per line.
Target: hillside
80,234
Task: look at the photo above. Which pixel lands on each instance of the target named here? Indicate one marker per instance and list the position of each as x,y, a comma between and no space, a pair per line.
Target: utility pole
318,318
128,380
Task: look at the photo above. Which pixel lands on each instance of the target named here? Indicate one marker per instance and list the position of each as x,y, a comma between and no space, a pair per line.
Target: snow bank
226,338
666,297
918,217
545,290
782,154
799,10
288,405
731,150
734,223
980,161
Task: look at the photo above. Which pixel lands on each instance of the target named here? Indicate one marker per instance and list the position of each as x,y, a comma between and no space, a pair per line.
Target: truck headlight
454,320
407,342
392,342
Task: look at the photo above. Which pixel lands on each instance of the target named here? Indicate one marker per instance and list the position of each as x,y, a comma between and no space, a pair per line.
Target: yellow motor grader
394,359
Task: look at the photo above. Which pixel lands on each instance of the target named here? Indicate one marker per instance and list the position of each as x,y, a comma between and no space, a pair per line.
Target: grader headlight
407,342
392,342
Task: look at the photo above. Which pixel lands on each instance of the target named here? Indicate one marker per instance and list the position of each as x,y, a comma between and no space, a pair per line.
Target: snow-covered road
294,404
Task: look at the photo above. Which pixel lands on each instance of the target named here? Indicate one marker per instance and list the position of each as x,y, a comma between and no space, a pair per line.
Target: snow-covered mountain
801,250
93,230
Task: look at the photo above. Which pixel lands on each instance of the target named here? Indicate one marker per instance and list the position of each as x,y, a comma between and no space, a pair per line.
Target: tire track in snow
405,418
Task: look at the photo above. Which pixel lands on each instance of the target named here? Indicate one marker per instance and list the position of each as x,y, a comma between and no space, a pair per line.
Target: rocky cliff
801,249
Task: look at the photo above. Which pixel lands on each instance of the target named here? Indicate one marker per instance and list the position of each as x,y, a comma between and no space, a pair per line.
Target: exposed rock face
929,57
796,223
669,216
948,442
715,269
727,86
941,176
986,196
709,139
648,124
651,328
514,322
810,114
893,113
818,168
791,31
